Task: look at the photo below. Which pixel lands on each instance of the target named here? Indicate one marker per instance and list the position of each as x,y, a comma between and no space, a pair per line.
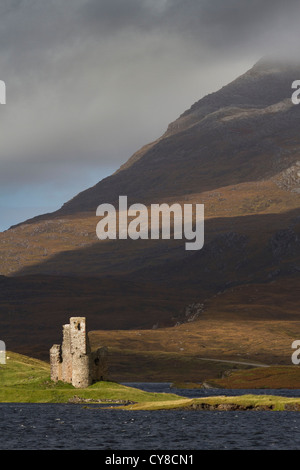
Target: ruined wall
73,362
80,351
55,362
98,364
66,367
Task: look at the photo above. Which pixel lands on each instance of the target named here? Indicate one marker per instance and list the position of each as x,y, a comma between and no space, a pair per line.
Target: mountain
237,151
244,132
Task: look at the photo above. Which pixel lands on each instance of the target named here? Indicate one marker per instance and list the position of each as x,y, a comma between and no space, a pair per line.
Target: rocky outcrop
230,407
283,242
289,179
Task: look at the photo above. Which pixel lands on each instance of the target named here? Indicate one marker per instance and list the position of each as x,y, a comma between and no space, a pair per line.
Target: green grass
27,380
222,403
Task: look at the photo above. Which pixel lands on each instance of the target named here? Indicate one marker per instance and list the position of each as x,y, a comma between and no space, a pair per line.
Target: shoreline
27,380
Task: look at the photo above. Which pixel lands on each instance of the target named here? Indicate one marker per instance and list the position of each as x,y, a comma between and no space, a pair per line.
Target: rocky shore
236,407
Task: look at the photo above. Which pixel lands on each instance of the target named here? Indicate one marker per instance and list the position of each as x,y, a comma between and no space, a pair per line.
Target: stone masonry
73,361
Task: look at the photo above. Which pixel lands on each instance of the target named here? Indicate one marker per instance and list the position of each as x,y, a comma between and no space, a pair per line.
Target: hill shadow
146,285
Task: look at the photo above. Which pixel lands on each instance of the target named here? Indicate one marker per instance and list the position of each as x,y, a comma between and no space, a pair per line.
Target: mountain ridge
241,160
265,88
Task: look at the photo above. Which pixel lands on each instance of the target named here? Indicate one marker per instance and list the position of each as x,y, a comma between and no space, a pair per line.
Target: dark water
196,393
71,427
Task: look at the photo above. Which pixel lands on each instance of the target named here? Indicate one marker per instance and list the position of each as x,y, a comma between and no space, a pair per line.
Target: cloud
91,81
216,24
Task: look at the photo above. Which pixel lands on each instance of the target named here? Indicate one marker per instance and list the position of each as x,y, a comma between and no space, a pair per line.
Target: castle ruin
73,361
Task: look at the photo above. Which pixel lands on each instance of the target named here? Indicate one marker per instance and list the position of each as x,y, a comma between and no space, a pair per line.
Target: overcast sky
91,81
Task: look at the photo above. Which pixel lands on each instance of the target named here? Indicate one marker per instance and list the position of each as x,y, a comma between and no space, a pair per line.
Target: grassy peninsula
223,403
27,380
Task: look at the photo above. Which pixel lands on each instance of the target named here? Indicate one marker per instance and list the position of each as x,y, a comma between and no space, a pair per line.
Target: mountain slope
237,151
246,131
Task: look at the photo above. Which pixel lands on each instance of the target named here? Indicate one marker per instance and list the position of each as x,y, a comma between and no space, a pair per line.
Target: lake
77,427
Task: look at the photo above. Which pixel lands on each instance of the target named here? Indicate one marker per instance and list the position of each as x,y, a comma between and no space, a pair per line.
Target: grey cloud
83,56
91,81
35,33
215,23
112,16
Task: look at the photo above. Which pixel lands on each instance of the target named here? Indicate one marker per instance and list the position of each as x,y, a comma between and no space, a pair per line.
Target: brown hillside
237,151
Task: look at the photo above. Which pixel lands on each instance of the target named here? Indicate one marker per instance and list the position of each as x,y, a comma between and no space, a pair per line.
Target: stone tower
73,361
